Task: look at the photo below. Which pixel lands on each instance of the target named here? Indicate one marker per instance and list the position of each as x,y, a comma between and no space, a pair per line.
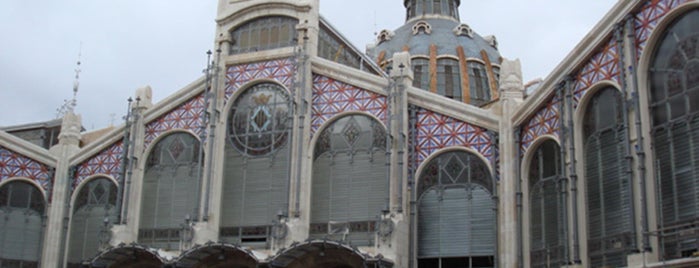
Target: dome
448,57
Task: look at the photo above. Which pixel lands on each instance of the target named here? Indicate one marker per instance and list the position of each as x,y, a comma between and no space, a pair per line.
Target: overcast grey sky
127,44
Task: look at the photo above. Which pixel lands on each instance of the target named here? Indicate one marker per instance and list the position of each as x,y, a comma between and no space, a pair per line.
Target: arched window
456,216
421,70
94,206
170,195
264,33
21,217
546,207
449,79
256,170
350,183
607,188
478,82
674,105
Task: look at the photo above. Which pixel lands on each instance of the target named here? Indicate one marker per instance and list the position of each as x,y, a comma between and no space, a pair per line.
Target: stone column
55,234
511,96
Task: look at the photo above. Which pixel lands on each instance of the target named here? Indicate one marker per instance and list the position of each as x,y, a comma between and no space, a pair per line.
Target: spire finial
69,105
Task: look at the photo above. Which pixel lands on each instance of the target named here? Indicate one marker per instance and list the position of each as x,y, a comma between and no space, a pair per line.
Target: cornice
262,8
458,110
27,149
349,75
98,145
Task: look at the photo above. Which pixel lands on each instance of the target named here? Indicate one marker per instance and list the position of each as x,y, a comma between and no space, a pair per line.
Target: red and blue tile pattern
13,164
547,121
281,70
435,131
107,162
604,65
331,97
646,20
186,116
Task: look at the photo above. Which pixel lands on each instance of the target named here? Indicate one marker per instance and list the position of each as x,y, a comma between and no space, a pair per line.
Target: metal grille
264,33
350,183
456,216
21,218
545,207
674,81
94,205
169,197
330,47
607,189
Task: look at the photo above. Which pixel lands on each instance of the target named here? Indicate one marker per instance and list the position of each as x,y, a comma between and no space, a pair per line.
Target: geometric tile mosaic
186,116
646,20
281,70
331,97
436,131
107,162
14,165
604,65
547,121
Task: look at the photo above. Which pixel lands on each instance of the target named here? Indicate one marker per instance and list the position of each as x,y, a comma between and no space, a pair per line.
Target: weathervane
69,105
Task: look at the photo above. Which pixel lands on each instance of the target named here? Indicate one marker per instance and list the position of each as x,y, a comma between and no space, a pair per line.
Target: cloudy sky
127,44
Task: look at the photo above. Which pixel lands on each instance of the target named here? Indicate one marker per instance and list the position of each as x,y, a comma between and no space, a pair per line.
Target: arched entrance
128,256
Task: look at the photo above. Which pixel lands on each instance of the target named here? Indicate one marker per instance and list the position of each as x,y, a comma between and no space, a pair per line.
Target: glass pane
678,106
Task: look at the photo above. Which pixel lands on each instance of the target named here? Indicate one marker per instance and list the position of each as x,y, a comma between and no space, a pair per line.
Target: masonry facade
296,149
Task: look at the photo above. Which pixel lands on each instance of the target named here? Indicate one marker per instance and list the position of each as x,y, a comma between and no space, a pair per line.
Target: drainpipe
401,140
213,118
389,139
496,199
619,35
44,218
564,175
640,152
412,185
130,167
518,176
573,170
125,144
205,119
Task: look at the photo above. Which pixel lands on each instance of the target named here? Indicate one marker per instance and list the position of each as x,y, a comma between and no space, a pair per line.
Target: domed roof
417,36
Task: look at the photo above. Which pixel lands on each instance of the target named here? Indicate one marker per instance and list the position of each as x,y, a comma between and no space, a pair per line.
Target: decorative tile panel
188,116
281,70
547,121
331,97
436,131
602,66
106,162
646,20
13,165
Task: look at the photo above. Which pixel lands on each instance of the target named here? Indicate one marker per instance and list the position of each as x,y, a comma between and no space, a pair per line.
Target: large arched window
170,195
478,82
256,170
607,187
456,213
22,208
264,33
350,183
546,207
449,79
93,210
674,103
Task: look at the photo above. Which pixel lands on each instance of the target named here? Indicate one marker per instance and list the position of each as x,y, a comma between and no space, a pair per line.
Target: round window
259,121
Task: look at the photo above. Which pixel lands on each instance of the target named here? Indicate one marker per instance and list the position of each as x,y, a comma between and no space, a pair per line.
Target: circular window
259,120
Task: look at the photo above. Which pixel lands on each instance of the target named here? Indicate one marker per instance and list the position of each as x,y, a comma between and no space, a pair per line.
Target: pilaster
512,92
58,214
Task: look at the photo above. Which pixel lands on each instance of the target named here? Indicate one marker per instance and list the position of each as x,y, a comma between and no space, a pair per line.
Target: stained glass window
478,80
259,121
449,79
421,70
674,106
